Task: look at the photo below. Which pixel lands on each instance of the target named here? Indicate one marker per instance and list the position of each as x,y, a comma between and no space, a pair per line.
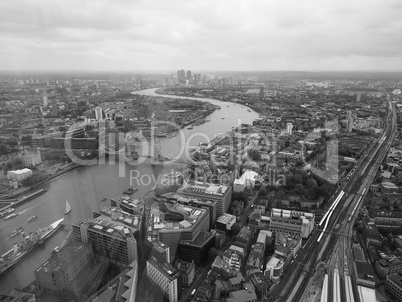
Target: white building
98,113
289,127
292,222
19,175
45,101
165,276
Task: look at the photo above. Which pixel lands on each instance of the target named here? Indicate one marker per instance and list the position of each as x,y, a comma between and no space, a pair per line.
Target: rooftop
64,257
226,218
165,268
190,217
205,189
200,240
395,278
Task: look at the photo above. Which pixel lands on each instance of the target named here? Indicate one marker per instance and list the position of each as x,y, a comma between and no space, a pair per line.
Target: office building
393,285
210,205
160,251
68,273
225,222
54,109
112,235
181,76
370,233
99,113
358,96
166,277
209,192
197,249
348,114
289,127
292,222
128,204
189,77
45,100
350,124
187,271
260,285
176,222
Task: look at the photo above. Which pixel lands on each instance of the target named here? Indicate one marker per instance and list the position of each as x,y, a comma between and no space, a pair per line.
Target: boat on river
12,215
68,208
11,257
17,231
32,218
6,212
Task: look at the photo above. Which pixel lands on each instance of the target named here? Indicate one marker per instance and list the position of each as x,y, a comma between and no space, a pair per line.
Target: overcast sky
201,35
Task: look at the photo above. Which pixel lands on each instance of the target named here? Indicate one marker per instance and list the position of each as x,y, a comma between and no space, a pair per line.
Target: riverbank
15,202
247,103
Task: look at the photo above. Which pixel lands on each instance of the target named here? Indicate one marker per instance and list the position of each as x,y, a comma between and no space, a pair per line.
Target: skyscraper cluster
184,77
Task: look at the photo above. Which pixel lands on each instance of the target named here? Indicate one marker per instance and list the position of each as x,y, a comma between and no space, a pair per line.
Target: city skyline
229,36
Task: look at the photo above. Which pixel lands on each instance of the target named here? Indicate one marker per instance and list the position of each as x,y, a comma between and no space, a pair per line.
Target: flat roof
200,240
366,294
63,258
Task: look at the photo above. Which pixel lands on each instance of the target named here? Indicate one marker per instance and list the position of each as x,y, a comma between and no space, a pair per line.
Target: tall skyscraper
189,77
350,124
181,76
45,99
54,108
358,96
262,92
98,113
289,127
348,114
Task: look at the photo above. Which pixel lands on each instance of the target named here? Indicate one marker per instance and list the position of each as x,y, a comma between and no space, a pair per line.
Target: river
85,186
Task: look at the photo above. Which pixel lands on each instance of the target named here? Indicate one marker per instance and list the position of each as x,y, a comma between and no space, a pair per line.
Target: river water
86,186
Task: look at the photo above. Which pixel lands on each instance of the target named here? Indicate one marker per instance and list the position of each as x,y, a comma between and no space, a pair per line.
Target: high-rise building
393,285
177,222
54,108
289,127
358,96
166,277
69,272
181,76
348,114
111,233
350,124
98,113
205,191
262,92
45,101
189,77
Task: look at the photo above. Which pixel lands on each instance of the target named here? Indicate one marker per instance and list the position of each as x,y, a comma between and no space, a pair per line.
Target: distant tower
350,124
358,96
189,78
181,76
45,102
348,114
54,108
289,127
261,92
98,114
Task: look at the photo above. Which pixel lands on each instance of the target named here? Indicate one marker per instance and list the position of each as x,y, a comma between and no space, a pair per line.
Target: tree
254,154
262,192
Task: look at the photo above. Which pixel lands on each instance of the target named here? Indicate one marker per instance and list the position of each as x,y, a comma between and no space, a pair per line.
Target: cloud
200,35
